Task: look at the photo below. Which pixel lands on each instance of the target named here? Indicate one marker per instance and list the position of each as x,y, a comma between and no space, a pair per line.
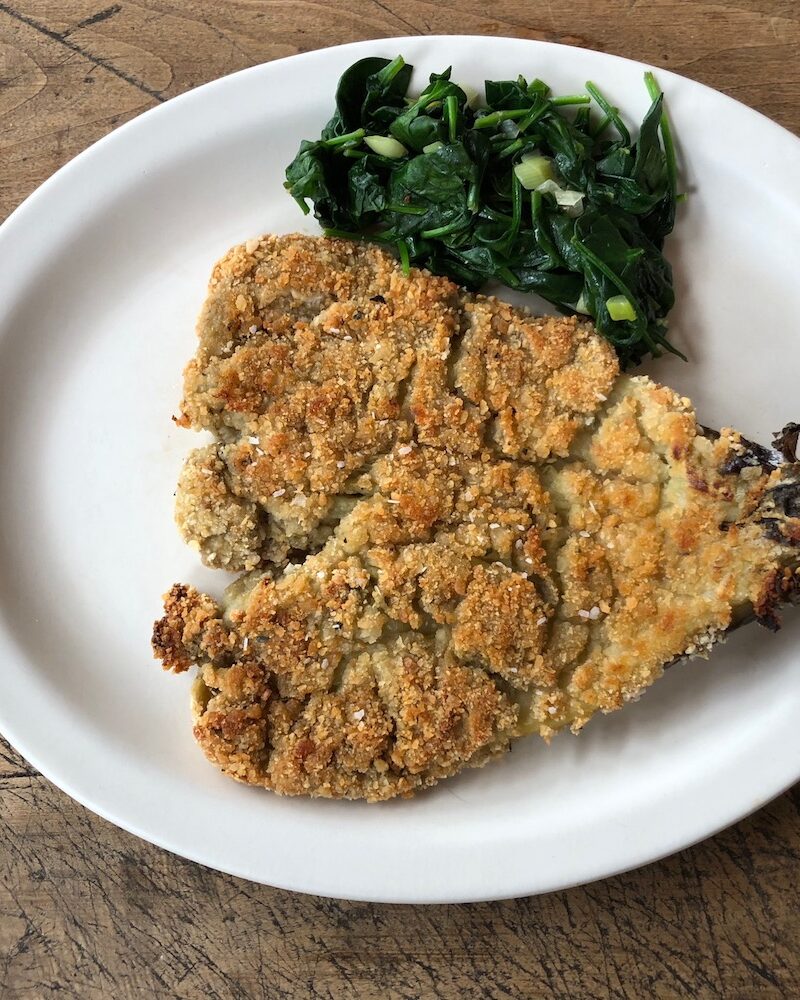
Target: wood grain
91,912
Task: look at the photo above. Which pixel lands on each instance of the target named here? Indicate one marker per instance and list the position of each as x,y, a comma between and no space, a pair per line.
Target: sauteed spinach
545,194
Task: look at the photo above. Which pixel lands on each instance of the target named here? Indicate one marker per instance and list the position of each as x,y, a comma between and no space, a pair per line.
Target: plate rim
592,872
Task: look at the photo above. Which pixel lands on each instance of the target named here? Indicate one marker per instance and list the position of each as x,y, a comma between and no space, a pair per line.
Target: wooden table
91,912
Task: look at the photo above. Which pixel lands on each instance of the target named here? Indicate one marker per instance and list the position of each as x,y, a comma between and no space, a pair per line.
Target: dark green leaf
363,92
649,169
460,211
367,193
502,95
305,177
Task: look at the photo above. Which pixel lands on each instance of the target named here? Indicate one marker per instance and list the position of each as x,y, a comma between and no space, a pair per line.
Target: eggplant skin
457,525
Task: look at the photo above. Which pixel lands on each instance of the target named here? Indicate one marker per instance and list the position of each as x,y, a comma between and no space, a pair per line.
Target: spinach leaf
504,95
593,232
369,93
367,193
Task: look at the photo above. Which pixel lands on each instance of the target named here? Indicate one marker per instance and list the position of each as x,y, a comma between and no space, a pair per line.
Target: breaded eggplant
457,524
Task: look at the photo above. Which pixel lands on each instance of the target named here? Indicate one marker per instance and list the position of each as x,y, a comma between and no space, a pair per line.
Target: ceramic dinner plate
103,272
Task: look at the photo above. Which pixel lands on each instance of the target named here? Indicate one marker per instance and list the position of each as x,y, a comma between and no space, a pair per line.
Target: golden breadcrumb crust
459,525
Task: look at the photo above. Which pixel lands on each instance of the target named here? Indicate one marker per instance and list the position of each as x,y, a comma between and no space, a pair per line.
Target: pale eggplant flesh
456,525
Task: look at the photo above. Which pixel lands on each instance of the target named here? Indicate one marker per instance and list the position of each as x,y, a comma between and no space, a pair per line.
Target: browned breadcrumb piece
477,528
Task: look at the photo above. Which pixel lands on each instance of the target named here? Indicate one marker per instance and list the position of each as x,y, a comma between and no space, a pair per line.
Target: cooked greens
542,193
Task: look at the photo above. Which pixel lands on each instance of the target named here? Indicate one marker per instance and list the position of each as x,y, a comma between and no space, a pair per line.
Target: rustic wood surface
91,912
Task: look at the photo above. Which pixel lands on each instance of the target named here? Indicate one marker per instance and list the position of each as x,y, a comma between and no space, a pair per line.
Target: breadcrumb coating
458,525
319,356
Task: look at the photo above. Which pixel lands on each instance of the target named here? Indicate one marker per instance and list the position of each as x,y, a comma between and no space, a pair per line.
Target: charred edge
772,527
782,586
167,636
786,441
770,620
781,519
779,531
750,456
786,498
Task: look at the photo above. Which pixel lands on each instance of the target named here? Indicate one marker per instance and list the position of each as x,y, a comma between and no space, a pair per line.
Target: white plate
103,270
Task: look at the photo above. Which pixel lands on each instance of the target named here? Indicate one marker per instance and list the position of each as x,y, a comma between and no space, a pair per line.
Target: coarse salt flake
359,715
340,465
494,524
406,449
583,614
584,534
552,709
278,493
300,500
252,329
542,620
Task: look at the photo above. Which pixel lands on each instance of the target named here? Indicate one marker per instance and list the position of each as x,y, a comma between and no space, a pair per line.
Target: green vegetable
620,308
546,194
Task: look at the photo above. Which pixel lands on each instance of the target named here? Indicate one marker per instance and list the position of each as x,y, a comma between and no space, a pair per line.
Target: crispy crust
318,356
500,534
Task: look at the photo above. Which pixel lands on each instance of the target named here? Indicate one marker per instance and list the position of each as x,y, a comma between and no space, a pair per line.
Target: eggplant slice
456,524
